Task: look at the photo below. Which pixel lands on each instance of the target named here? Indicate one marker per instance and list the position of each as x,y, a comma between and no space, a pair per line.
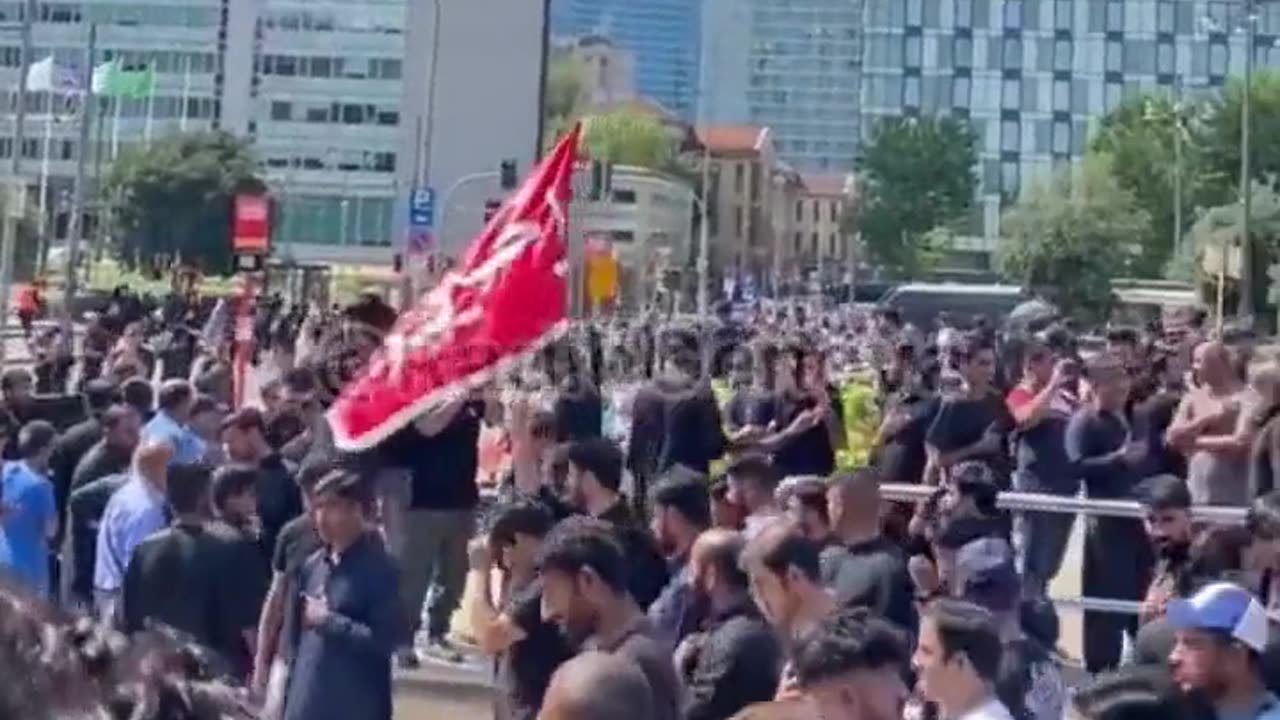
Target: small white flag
49,76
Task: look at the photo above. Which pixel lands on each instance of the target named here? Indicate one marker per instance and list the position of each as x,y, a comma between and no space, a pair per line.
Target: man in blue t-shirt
30,519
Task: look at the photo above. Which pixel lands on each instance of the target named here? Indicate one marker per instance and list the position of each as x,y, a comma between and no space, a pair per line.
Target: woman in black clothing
578,409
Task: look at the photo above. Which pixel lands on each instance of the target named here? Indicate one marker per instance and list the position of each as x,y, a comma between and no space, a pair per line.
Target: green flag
113,80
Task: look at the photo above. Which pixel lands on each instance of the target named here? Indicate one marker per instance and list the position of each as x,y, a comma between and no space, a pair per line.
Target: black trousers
1117,565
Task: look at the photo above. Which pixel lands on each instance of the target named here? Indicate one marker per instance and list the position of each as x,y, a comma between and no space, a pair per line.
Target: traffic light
601,179
491,209
507,173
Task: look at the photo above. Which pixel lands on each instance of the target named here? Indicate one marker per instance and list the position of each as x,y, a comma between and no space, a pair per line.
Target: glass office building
664,37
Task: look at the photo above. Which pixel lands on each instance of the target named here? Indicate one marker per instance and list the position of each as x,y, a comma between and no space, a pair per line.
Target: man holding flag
419,400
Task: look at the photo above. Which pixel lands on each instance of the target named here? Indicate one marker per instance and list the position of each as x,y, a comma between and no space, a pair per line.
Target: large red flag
505,300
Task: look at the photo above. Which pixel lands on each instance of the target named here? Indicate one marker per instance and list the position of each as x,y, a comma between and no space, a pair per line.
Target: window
1062,96
1165,17
813,243
624,197
799,211
317,115
286,65
352,114
1165,59
738,221
388,117
1217,59
1013,14
817,216
1063,12
912,51
1012,53
964,13
1115,56
1010,135
1115,15
281,110
795,243
1011,94
1009,177
1062,55
1061,137
915,11
835,210
960,92
321,67
739,177
911,92
1112,96
831,246
964,52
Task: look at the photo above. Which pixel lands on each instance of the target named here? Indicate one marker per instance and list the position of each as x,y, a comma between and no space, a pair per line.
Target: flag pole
151,99
115,126
186,93
77,200
43,199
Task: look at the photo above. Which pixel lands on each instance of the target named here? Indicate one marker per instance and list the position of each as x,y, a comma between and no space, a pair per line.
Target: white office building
332,95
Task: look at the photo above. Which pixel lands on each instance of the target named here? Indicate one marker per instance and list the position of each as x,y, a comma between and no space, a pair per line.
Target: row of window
1165,16
165,61
335,159
835,248
321,66
340,113
815,208
333,220
380,21
113,13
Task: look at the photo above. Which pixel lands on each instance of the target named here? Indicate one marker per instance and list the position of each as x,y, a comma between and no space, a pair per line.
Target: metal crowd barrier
1075,505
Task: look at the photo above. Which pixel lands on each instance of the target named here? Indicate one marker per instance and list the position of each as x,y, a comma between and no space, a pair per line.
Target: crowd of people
652,549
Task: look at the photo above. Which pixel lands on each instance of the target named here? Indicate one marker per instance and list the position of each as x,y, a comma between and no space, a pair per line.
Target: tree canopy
1066,236
174,199
629,138
918,176
564,100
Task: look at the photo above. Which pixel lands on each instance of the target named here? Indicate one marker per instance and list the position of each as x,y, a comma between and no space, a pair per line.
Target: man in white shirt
956,661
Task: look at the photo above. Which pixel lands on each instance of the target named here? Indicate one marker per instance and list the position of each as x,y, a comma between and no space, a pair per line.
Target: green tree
919,176
1219,228
629,138
1140,137
174,199
1219,140
1065,237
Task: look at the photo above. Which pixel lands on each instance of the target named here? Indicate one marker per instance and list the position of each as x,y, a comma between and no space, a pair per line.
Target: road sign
422,208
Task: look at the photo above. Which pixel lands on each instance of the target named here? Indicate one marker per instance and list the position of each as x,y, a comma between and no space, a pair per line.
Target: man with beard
735,661
584,591
1221,635
681,510
597,685
850,666
594,479
1166,503
527,648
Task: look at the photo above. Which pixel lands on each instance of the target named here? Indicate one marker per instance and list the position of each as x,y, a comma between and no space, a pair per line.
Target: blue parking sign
422,208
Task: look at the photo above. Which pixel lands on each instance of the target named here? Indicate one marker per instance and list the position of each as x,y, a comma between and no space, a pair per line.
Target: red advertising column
243,347
250,242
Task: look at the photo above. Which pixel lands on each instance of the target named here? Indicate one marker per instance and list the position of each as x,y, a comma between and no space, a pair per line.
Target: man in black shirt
528,649
440,450
736,660
681,512
185,576
675,418
584,591
275,494
865,568
345,612
72,444
973,425
595,474
235,523
1100,444
122,428
296,542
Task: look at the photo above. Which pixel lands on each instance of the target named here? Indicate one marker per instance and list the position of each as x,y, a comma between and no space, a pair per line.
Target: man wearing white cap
1221,634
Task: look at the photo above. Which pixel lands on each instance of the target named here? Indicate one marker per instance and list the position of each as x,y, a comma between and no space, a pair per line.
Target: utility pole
13,217
77,200
1244,306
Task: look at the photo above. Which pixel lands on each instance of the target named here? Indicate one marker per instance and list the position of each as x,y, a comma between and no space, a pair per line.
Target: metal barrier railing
1038,502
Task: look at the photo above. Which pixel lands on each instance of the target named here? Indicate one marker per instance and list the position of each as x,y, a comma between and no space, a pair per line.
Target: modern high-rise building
793,67
663,36
333,97
1033,76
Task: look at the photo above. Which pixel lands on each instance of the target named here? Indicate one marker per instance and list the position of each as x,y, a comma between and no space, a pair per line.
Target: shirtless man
1213,429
